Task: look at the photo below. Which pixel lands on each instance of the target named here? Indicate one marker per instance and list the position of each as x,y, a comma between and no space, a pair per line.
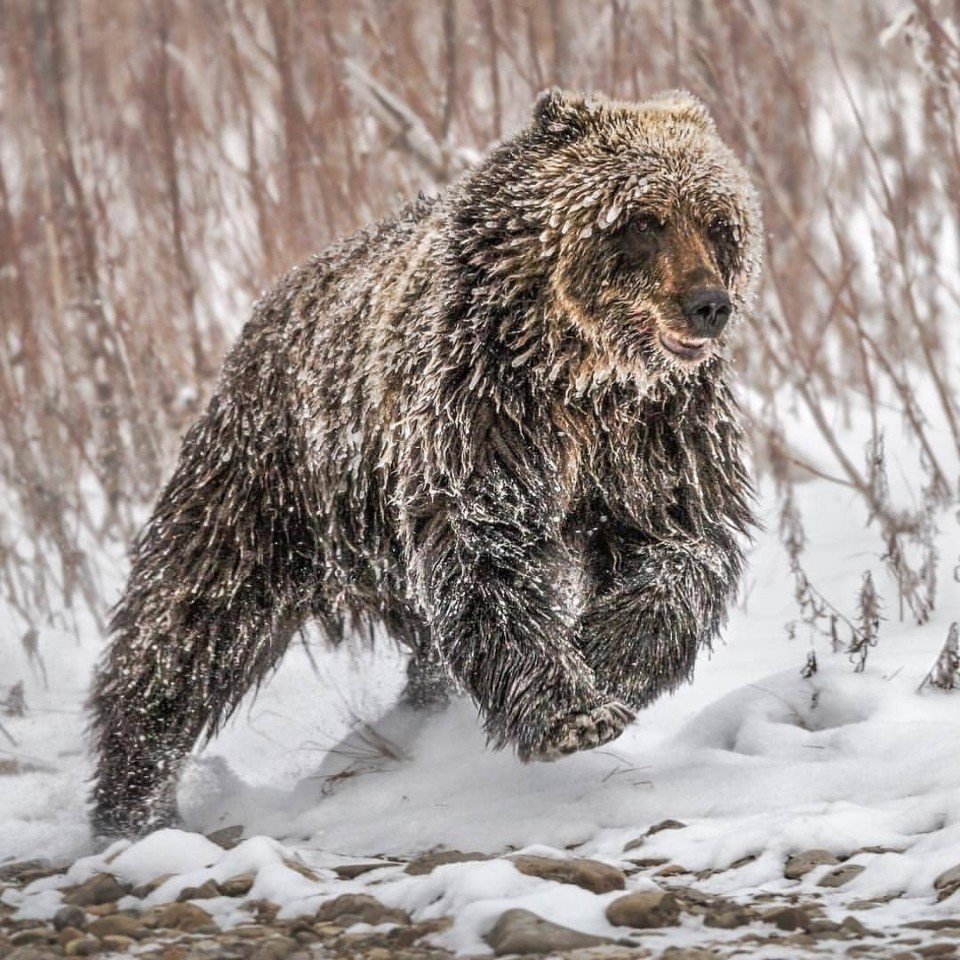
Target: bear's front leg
488,567
653,604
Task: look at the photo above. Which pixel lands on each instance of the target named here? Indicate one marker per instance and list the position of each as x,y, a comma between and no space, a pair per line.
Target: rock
801,864
100,888
116,943
69,916
634,844
350,871
117,925
298,866
145,889
671,870
688,953
789,918
227,837
14,870
590,874
27,953
238,886
67,934
645,863
522,932
843,874
276,948
33,935
948,879
945,923
83,947
726,917
665,825
408,936
206,891
644,910
853,928
941,949
187,917
430,861
351,908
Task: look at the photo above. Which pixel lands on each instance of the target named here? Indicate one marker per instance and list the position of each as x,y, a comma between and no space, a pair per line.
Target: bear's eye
646,226
638,239
722,232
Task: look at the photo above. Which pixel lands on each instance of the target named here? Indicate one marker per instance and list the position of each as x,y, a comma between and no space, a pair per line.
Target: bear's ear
557,111
683,105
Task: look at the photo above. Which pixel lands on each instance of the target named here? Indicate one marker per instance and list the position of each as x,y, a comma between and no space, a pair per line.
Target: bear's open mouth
687,348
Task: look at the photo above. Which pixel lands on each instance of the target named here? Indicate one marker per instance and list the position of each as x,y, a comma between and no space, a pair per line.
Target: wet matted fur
484,422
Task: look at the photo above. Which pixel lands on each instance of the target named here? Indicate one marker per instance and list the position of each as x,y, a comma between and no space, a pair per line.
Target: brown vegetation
161,162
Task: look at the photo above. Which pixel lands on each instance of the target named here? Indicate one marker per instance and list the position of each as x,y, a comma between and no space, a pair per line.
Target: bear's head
632,221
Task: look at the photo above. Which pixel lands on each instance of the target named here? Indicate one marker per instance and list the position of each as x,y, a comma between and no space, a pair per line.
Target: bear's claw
581,731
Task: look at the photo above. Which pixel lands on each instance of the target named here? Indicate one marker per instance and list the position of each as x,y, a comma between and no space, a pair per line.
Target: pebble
206,891
644,910
118,924
117,943
227,837
350,908
522,932
801,864
69,916
276,948
789,918
350,871
33,935
843,874
69,933
430,861
726,917
187,917
665,825
82,947
238,886
591,875
15,870
101,888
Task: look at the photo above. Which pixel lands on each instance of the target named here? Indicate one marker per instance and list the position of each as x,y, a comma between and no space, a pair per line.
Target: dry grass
160,162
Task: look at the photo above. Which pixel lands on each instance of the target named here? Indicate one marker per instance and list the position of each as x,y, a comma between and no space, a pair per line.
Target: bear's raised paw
581,731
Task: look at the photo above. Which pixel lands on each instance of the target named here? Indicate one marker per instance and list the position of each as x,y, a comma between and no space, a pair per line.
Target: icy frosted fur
457,423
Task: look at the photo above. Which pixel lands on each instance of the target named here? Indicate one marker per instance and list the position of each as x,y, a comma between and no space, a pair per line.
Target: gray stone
350,871
522,932
227,837
69,916
801,864
590,874
644,910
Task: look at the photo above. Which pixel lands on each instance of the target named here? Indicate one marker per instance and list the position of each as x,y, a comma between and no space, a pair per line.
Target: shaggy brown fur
498,423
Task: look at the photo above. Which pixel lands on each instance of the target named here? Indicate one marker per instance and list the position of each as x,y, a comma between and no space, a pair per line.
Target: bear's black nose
707,311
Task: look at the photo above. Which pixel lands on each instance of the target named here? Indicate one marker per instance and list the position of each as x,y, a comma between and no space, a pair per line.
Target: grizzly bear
498,423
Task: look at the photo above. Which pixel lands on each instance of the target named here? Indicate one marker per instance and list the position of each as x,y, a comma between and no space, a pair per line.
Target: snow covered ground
756,761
